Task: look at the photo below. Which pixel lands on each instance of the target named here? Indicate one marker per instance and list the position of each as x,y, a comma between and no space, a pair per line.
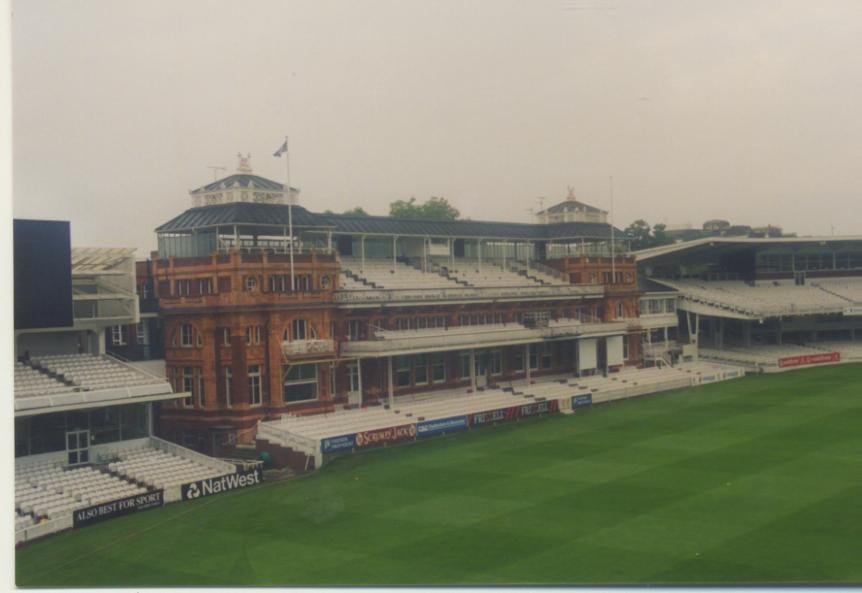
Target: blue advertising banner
582,400
432,427
345,442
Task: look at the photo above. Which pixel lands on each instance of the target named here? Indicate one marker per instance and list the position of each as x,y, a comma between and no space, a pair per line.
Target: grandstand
768,304
83,419
772,298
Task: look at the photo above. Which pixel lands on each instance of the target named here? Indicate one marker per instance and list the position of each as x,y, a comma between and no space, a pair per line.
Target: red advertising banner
393,434
795,361
514,412
491,416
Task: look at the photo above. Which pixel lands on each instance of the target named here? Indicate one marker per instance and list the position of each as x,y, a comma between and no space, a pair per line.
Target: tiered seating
30,382
767,355
849,350
94,372
46,490
763,299
846,288
542,277
489,275
346,282
384,273
159,469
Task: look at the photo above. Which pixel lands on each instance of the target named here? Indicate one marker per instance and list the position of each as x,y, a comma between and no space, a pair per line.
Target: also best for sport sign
241,479
115,508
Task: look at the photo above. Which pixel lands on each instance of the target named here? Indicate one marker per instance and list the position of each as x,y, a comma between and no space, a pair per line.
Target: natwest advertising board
381,436
795,361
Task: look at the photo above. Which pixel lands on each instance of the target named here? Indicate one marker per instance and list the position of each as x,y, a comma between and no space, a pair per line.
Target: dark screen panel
43,274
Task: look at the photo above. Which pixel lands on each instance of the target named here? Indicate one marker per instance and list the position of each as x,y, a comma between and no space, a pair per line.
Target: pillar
472,370
362,253
529,375
391,384
359,378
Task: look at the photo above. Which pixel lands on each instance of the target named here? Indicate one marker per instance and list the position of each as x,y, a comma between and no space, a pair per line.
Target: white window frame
228,386
186,338
255,384
119,335
142,335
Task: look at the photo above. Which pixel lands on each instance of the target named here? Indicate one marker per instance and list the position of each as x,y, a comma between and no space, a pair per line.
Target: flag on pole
281,150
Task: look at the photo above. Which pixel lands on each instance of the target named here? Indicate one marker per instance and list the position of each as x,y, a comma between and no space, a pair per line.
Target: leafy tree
357,211
433,209
641,235
638,233
659,237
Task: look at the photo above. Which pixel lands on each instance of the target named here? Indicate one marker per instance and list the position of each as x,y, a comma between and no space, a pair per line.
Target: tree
357,211
433,209
659,237
639,234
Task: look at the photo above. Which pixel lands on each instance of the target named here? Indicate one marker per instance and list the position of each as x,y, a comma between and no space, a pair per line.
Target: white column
391,382
479,251
527,364
362,252
394,251
472,369
329,241
359,378
425,254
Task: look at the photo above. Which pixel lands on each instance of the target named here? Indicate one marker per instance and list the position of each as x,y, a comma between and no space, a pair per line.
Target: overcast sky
744,110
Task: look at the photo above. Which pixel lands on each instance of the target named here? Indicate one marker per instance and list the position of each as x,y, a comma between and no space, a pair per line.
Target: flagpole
613,255
289,214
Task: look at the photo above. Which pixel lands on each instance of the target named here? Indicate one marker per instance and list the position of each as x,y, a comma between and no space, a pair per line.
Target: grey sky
745,110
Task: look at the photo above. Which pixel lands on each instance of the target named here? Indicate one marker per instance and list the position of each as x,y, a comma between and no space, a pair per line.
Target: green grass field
755,480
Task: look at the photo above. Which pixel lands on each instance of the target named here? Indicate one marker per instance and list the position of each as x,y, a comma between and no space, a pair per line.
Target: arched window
299,329
186,335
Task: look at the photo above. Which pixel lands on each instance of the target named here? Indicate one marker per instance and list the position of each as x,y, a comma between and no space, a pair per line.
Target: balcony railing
391,341
307,347
465,293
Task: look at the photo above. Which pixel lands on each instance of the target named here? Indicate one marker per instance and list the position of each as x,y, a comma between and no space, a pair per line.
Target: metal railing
465,293
471,336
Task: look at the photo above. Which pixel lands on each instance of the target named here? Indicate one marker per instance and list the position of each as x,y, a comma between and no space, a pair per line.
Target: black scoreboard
43,274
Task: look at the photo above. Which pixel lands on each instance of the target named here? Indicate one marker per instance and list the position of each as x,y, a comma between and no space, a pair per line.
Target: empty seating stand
48,491
161,470
91,372
386,274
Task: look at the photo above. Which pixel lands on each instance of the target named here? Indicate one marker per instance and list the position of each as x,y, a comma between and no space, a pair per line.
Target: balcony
406,295
395,342
307,348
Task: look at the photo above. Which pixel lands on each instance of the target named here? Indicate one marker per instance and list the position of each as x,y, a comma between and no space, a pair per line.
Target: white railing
471,336
303,347
464,293
268,431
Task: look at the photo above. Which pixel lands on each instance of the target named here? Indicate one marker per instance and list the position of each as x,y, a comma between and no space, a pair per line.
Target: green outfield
755,480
